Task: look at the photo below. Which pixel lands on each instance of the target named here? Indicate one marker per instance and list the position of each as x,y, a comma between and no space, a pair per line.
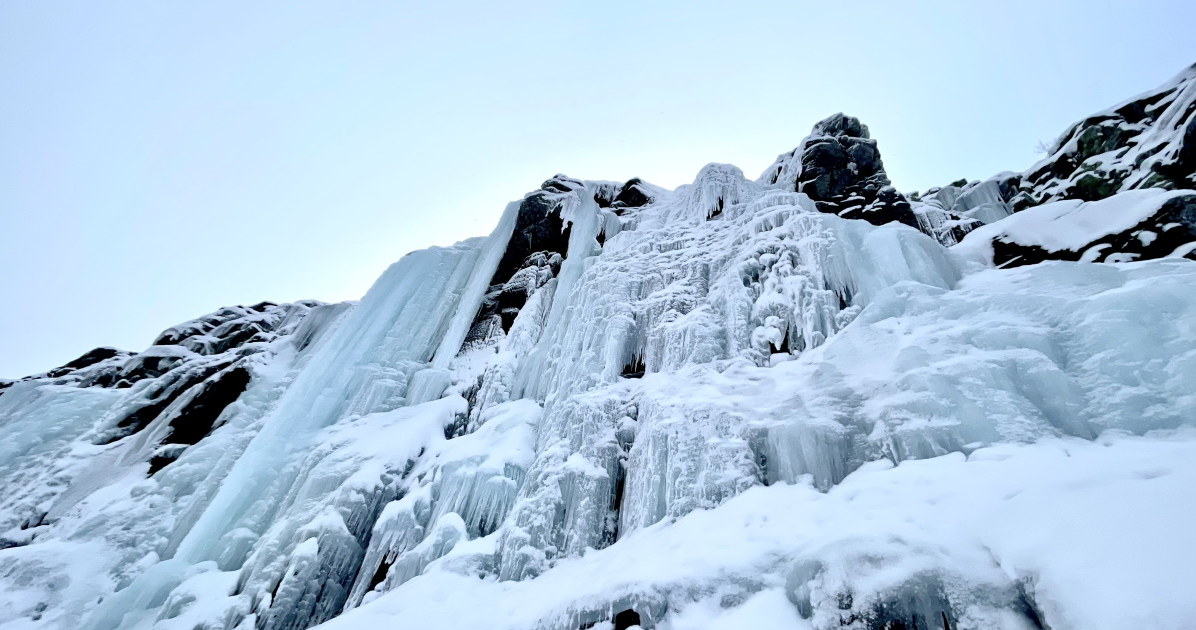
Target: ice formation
802,401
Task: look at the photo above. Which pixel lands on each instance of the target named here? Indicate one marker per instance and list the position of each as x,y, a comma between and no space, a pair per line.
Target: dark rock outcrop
96,367
193,372
533,256
633,194
197,418
839,166
1148,141
87,360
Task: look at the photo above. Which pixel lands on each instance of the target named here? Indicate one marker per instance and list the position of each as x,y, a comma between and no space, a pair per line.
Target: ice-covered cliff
806,400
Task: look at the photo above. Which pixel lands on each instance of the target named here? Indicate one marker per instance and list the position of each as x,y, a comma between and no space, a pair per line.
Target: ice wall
292,502
680,359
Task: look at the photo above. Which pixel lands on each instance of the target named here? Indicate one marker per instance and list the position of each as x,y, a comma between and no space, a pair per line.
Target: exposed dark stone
195,420
1137,111
633,194
1101,138
964,227
842,125
722,203
1185,158
561,184
824,166
784,347
842,172
379,575
611,533
622,620
159,396
634,369
889,206
1094,186
539,241
228,327
538,228
90,358
1107,152
625,619
1009,187
144,366
1029,608
98,367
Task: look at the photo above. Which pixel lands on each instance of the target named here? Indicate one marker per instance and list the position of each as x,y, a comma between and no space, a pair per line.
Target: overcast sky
161,159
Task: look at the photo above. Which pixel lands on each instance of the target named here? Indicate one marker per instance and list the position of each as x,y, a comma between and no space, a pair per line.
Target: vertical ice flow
420,307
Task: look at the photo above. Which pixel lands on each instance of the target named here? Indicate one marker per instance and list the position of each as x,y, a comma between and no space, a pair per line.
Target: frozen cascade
685,286
983,202
469,486
362,367
804,399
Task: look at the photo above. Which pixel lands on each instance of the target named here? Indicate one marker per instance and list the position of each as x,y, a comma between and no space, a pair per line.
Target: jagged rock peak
784,171
633,194
840,124
839,167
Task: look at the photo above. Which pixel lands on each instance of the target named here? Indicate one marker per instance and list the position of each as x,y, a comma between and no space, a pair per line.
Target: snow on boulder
1133,225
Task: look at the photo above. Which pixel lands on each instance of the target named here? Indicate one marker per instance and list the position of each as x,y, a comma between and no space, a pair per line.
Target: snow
981,523
766,610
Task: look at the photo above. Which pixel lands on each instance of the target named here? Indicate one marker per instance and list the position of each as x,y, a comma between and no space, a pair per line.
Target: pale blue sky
161,159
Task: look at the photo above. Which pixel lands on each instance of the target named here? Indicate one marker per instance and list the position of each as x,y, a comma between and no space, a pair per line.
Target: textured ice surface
1001,529
665,417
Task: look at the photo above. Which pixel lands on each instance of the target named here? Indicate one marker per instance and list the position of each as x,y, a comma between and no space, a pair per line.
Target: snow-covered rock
1133,225
1148,141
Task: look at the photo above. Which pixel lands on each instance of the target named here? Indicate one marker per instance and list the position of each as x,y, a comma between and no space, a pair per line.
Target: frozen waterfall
671,407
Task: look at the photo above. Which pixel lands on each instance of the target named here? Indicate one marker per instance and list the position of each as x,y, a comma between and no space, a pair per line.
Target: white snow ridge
805,401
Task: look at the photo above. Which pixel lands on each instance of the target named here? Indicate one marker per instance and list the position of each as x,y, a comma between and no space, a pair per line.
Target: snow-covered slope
801,401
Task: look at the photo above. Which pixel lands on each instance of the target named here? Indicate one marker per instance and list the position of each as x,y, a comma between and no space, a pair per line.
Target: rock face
95,367
1148,141
807,400
175,389
531,258
838,166
1110,161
